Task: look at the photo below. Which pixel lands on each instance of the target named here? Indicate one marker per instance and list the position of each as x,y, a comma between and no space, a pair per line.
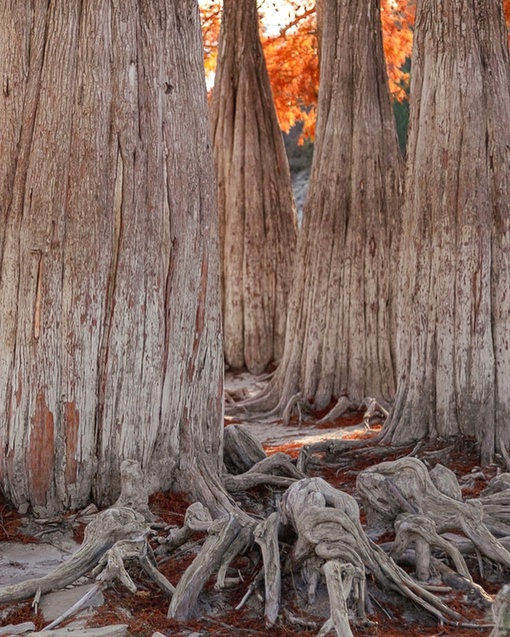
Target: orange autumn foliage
292,55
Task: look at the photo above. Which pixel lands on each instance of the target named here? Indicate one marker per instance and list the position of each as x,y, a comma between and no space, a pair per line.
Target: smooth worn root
342,406
327,524
241,450
421,531
501,613
375,411
391,488
339,580
107,528
222,533
266,536
197,518
264,473
249,466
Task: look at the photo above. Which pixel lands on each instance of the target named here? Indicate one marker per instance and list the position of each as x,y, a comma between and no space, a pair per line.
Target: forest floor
145,612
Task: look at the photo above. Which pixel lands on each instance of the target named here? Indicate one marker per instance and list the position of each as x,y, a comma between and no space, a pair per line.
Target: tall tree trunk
453,350
109,272
341,319
257,213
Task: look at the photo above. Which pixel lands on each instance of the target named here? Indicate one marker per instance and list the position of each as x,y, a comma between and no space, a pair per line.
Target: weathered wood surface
266,536
258,225
404,485
222,533
108,528
327,524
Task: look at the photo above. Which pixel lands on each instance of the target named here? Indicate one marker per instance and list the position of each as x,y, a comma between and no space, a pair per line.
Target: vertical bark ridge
117,214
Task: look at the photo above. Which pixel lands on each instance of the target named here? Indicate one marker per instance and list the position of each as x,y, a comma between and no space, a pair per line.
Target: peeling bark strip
453,353
257,213
109,269
341,323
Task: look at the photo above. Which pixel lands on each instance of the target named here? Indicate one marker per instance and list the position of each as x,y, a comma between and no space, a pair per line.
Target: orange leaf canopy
291,51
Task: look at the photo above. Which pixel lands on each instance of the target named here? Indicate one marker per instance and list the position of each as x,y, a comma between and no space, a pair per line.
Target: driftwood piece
408,477
221,534
327,523
101,534
266,536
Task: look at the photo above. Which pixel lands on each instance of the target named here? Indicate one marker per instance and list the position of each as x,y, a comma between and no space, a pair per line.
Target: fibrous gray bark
257,213
341,328
453,353
109,255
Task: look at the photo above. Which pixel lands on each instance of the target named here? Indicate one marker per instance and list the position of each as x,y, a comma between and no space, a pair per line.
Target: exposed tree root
108,528
249,465
501,612
221,535
421,531
241,450
134,493
391,488
266,536
327,523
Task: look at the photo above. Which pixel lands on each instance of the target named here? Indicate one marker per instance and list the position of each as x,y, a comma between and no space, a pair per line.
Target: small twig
433,588
297,621
251,588
36,601
415,450
378,603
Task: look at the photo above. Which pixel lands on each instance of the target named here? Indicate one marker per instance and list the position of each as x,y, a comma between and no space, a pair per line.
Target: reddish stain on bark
72,425
41,450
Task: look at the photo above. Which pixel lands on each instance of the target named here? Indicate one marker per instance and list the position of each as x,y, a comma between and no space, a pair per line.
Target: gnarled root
327,523
248,465
107,528
422,531
404,485
222,534
266,536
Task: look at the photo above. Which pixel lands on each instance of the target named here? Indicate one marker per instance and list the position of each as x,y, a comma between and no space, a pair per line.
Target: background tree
291,53
341,319
109,273
453,352
257,214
